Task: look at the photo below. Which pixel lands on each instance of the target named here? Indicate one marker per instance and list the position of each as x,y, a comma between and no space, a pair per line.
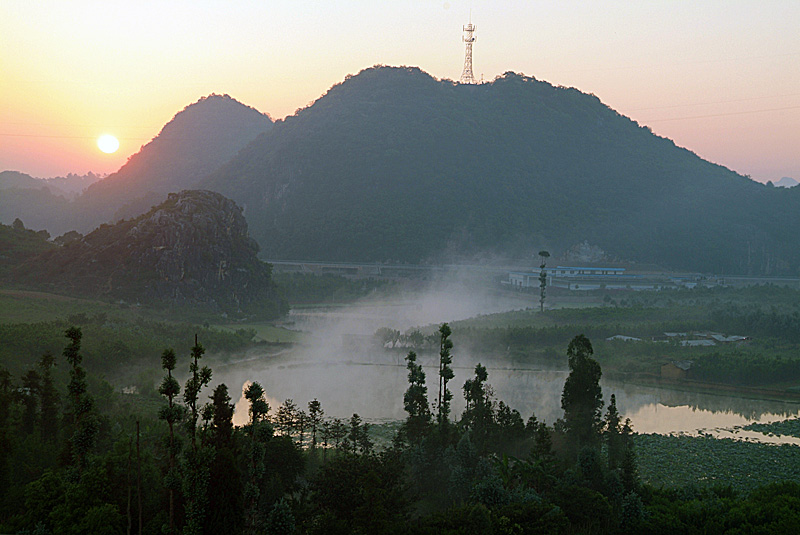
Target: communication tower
466,76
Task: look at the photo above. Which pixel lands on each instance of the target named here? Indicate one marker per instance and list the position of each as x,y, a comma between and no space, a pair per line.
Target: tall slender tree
543,256
198,378
259,433
445,374
196,460
315,415
612,430
82,417
172,414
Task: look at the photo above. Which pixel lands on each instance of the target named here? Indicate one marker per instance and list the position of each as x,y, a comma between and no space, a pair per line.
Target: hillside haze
393,165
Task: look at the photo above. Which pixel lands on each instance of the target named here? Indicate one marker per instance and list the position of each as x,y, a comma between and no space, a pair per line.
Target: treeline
111,344
756,321
69,464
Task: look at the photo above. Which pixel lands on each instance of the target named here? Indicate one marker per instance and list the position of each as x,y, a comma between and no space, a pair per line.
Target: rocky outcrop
191,250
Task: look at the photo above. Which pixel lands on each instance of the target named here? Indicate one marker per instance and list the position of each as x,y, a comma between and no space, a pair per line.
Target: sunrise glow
108,143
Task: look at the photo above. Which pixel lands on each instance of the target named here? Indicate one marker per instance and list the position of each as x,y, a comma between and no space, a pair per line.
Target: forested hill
392,164
194,143
190,251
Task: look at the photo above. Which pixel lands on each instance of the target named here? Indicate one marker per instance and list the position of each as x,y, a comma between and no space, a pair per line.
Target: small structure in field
677,369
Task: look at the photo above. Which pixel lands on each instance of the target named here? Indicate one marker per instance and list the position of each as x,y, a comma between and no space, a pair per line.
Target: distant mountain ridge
192,250
194,143
393,165
66,186
786,182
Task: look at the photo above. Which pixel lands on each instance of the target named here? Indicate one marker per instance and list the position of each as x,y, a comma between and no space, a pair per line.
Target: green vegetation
786,427
296,471
358,176
769,316
18,244
684,461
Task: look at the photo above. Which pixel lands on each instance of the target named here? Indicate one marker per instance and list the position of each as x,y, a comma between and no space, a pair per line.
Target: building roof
591,268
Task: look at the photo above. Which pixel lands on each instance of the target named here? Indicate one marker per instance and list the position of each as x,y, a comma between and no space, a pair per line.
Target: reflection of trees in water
636,396
371,382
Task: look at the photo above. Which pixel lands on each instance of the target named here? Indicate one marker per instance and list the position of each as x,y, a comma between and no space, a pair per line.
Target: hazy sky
720,77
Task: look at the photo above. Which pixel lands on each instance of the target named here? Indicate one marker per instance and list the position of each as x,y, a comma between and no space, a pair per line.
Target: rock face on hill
190,251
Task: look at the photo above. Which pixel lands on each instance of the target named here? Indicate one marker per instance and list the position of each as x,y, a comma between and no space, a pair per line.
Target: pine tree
445,374
612,431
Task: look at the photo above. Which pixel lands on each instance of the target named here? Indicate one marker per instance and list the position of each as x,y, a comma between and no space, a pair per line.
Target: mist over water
338,362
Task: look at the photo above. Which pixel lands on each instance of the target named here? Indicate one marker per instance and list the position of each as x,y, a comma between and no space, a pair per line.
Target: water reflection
374,389
337,364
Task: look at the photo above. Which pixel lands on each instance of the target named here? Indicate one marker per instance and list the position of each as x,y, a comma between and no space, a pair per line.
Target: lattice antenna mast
467,77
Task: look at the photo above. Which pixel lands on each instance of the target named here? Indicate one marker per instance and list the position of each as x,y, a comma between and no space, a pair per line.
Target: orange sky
721,78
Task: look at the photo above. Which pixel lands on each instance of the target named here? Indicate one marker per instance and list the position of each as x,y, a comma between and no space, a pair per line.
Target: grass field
19,306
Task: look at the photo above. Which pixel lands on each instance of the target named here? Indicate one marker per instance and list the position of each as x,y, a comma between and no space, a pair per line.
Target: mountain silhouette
394,165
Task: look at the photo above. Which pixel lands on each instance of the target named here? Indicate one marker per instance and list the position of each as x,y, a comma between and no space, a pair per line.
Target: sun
108,143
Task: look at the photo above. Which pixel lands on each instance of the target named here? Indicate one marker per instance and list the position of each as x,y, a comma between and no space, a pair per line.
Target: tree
315,415
357,439
415,402
445,374
48,399
30,392
630,474
199,377
582,398
612,432
5,435
478,415
259,433
286,419
196,460
83,418
543,256
171,414
225,510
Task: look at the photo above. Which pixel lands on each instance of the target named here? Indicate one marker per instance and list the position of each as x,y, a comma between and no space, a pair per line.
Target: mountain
190,251
42,202
200,138
392,164
786,182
